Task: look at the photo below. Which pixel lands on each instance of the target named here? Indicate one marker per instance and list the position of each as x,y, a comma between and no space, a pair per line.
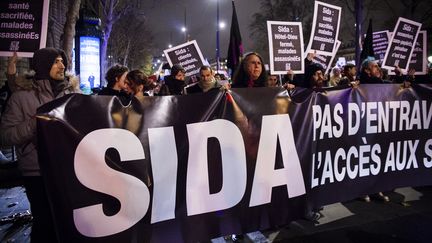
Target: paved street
407,218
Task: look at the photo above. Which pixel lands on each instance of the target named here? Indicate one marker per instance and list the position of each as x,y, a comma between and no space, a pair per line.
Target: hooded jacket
18,122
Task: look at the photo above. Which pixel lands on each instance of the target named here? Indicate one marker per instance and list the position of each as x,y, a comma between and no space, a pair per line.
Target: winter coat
124,97
172,86
18,122
196,88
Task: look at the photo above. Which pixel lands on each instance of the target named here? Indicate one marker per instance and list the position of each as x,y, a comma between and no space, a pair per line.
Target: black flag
235,49
367,50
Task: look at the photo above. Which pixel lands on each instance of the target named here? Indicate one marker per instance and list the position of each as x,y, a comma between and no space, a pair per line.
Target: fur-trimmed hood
27,82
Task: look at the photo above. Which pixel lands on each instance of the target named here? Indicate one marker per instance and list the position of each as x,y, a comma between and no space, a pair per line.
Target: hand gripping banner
191,168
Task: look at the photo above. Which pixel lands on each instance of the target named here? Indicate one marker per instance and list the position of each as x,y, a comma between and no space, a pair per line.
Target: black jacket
124,97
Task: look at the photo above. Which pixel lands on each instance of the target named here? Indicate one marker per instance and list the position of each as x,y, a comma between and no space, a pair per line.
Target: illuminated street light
221,25
183,29
169,46
430,59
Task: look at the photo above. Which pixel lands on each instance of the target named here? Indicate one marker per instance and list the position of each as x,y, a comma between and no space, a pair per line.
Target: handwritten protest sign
188,55
325,28
285,47
23,26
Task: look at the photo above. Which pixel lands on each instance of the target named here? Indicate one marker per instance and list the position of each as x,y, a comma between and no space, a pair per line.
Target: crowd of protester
49,81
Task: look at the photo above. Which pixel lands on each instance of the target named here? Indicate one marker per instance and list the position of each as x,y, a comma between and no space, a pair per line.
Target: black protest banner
418,59
327,60
188,55
325,28
285,47
191,168
23,26
380,40
401,45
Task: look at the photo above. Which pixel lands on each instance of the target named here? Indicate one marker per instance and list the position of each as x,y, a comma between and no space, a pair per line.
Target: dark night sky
166,17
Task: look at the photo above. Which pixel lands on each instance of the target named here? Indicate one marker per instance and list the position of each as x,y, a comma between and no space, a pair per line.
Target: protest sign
285,47
327,60
380,42
188,55
401,44
418,59
325,28
23,26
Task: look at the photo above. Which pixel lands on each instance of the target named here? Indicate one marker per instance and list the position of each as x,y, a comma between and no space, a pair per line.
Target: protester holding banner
175,82
291,80
116,85
18,127
350,75
370,72
272,80
335,77
250,72
406,80
137,83
314,76
206,83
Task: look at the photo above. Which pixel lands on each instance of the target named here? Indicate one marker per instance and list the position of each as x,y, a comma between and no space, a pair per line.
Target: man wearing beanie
314,76
175,82
18,127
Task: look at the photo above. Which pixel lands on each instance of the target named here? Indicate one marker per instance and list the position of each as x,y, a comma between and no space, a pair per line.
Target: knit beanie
310,71
43,59
176,68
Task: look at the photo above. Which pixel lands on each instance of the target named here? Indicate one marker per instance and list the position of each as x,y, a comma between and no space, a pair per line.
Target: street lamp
217,37
222,25
183,29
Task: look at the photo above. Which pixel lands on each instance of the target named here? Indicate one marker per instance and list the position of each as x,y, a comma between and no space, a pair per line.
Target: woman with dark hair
250,72
137,82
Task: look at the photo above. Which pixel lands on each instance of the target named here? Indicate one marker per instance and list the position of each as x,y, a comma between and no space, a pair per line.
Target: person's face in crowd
129,86
271,81
318,79
180,76
253,67
336,72
206,76
58,69
217,77
351,72
373,70
121,82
